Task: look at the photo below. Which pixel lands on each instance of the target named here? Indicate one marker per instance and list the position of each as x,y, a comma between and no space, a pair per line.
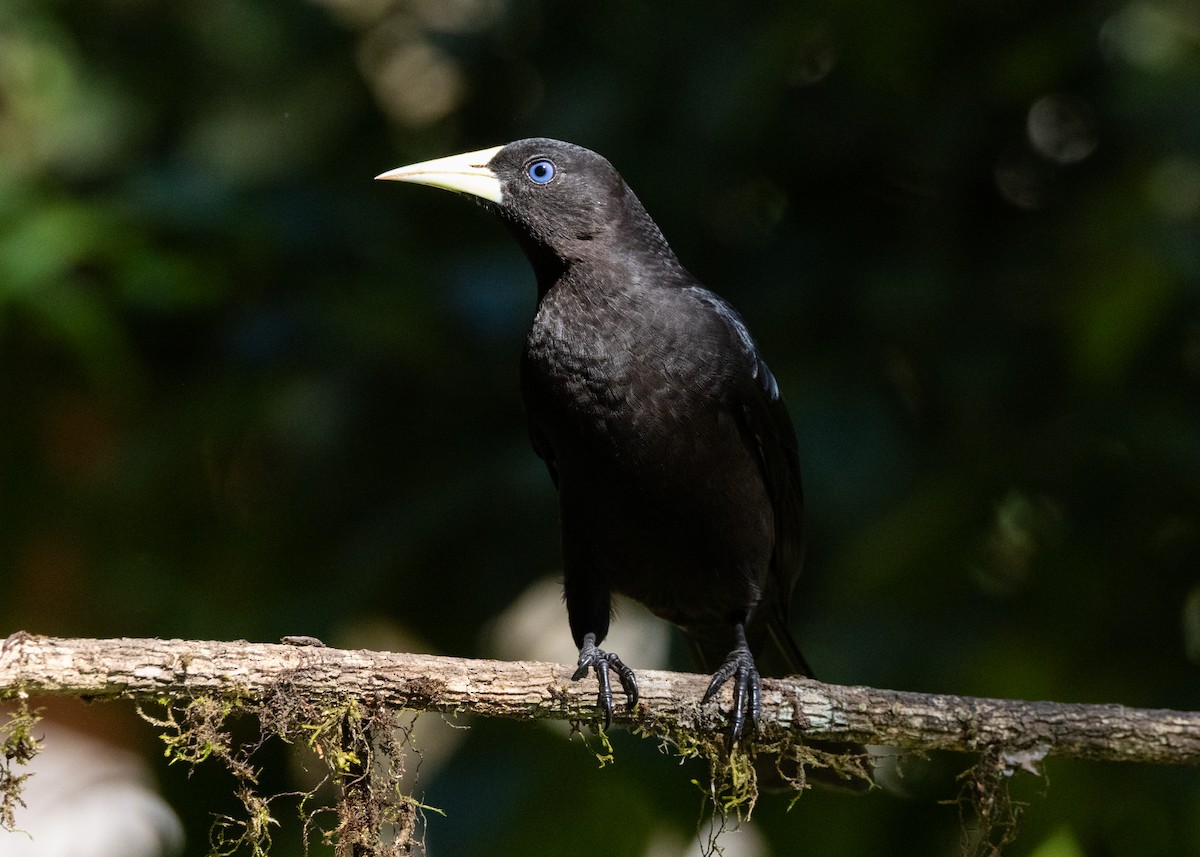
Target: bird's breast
659,492
625,374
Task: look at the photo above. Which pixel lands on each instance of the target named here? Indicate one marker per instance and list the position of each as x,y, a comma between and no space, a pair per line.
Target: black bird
663,429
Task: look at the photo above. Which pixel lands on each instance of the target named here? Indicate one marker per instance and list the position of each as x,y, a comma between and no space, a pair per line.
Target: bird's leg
601,661
747,686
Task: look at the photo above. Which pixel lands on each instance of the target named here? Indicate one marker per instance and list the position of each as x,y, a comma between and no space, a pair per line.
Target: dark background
246,392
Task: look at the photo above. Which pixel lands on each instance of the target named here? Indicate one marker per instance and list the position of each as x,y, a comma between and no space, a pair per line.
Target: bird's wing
763,417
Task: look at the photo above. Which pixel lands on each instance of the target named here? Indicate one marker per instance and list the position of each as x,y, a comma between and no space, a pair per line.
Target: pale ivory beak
465,173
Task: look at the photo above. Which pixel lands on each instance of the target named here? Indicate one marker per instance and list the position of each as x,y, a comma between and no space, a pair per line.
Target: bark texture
1025,731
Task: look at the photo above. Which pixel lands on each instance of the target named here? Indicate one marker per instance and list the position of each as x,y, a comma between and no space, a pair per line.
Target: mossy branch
1024,731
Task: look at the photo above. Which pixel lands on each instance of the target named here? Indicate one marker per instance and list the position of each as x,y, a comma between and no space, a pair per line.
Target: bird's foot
591,657
747,691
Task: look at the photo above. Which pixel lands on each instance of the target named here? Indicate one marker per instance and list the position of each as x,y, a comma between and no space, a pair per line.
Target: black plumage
661,425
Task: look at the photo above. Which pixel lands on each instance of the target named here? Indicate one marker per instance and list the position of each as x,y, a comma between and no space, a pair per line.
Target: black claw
627,678
604,697
739,704
719,678
591,657
747,689
755,700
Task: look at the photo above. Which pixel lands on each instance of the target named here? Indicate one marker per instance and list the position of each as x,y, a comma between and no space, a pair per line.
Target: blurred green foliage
246,392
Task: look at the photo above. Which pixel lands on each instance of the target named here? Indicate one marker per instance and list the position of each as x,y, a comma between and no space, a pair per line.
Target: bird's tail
782,652
775,651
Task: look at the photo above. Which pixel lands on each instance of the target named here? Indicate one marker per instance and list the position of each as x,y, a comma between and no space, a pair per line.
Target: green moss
361,745
735,775
17,748
604,754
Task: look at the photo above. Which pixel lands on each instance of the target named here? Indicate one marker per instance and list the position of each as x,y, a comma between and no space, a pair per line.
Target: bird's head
560,200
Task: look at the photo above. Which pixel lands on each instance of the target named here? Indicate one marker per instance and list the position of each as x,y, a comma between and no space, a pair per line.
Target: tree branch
149,668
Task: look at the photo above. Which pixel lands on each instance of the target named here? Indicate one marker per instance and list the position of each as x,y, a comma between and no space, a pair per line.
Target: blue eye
540,171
